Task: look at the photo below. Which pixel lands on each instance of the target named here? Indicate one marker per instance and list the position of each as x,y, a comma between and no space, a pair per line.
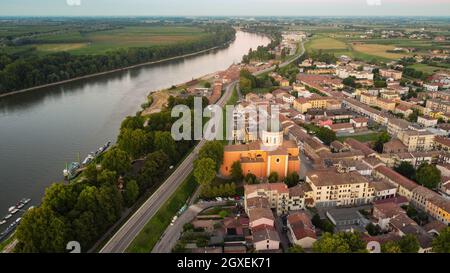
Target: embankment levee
114,70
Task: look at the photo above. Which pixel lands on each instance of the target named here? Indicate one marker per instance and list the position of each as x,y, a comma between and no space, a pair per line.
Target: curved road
120,241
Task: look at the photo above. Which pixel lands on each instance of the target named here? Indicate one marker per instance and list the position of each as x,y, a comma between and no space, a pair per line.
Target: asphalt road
170,237
131,228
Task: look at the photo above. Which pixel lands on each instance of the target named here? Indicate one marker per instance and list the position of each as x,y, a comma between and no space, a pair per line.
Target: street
170,237
131,228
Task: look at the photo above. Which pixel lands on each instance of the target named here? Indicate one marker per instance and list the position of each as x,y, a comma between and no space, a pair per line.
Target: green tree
409,244
107,177
381,139
204,171
406,169
165,142
90,173
236,171
155,167
342,242
251,179
116,160
133,123
213,150
326,135
413,116
372,229
296,249
428,175
390,247
41,231
134,142
292,179
60,198
273,177
441,244
85,228
131,192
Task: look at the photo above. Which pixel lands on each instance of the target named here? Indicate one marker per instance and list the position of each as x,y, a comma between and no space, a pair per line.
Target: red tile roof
396,177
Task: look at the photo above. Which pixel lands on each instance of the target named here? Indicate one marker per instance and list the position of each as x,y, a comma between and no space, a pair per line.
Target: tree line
85,209
20,71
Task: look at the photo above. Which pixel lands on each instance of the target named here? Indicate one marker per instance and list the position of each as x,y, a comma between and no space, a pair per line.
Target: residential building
390,73
404,185
278,197
301,230
417,140
331,188
427,121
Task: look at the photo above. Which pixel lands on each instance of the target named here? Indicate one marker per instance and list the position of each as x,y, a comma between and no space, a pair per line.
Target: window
277,160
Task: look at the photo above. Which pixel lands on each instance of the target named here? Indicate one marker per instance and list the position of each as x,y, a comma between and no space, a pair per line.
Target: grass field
428,69
378,50
51,48
153,230
325,43
98,42
362,138
137,37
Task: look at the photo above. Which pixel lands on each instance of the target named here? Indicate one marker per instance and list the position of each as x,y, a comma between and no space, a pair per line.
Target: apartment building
390,73
315,102
279,197
330,188
438,106
417,140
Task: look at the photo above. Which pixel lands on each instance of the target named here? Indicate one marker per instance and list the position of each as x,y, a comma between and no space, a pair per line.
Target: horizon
231,8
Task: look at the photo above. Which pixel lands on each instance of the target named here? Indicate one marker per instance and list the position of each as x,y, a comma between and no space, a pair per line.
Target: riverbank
116,70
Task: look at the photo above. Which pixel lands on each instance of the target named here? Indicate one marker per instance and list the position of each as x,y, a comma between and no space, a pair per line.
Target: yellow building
368,99
333,188
316,102
385,104
260,160
417,140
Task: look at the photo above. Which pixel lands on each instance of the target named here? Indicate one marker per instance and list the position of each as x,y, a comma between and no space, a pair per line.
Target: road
130,229
120,241
170,237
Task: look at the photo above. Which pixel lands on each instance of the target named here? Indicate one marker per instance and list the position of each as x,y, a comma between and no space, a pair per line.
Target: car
219,199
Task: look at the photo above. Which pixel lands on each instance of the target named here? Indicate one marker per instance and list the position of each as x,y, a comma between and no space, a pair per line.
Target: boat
2,222
88,159
14,211
18,220
11,208
20,205
71,171
7,216
25,201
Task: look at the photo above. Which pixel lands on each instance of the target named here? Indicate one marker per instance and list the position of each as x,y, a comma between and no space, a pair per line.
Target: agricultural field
428,69
378,50
97,42
325,43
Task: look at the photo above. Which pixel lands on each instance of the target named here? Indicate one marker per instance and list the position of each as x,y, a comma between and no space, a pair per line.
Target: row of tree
84,210
347,242
427,175
32,69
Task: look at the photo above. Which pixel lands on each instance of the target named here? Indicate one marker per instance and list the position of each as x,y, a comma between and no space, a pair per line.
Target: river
43,129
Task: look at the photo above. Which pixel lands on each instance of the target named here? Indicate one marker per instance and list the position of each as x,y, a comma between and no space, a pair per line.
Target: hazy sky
224,7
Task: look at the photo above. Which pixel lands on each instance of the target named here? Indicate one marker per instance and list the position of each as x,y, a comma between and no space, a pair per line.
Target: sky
224,7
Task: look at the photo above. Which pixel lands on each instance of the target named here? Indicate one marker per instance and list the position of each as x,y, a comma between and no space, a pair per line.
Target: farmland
98,42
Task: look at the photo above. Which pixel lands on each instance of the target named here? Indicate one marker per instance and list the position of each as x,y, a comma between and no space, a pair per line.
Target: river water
41,130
